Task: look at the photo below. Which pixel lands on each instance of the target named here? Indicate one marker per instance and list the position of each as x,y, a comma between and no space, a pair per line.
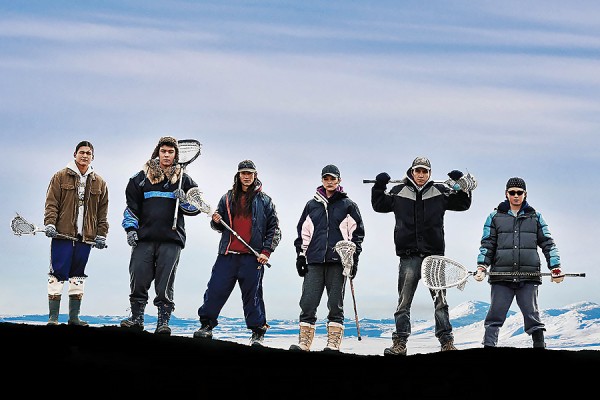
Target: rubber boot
54,306
74,309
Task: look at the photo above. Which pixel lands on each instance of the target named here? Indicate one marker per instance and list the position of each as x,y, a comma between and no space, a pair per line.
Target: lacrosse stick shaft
393,181
355,312
242,240
575,274
174,227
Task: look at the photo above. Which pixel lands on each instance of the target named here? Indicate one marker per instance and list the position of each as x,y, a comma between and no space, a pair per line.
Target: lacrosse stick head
20,226
438,272
194,197
346,249
189,150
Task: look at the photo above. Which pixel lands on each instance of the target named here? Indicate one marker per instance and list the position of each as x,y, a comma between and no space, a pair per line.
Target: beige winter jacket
62,204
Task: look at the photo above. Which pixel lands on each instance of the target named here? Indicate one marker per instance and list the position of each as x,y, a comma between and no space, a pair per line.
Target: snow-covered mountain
573,327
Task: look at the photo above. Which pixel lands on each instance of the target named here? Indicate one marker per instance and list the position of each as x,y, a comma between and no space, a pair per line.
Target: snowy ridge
573,327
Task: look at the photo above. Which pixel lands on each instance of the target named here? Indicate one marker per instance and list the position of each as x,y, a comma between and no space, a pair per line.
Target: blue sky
497,90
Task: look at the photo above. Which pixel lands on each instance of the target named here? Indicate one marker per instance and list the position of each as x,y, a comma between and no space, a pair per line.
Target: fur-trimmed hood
155,174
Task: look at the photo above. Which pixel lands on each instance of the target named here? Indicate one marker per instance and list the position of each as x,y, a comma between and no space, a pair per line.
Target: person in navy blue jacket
329,217
148,220
251,214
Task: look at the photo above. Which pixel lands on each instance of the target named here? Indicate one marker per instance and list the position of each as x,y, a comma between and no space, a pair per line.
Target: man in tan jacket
75,217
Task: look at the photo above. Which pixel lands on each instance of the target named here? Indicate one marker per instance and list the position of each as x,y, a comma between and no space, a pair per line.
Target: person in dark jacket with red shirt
419,205
251,214
512,234
329,217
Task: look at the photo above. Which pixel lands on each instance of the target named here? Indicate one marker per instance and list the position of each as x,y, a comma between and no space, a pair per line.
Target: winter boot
162,324
258,336
398,346
306,336
448,345
335,332
74,308
204,332
54,306
136,319
538,339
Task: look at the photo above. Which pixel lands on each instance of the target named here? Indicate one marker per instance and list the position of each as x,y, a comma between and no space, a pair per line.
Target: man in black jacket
515,223
419,205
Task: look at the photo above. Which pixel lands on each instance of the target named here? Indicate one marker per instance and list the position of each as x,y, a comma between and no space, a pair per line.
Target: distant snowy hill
573,327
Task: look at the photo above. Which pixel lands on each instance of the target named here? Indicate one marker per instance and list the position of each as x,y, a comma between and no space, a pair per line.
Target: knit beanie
516,182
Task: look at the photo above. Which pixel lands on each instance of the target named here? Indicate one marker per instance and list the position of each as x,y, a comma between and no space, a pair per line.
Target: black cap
330,170
516,182
246,165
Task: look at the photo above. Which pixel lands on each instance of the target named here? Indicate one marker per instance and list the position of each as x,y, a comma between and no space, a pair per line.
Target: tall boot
335,332
305,338
74,308
136,319
54,306
162,324
538,339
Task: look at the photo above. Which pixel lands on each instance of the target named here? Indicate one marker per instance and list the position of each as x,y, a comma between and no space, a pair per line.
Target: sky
498,90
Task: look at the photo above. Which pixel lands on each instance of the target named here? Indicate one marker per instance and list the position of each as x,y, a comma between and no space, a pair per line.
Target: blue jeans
320,277
502,296
409,274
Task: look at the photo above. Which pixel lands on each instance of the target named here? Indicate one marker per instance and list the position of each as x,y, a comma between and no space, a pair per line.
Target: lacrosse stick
346,249
189,150
20,226
440,272
397,181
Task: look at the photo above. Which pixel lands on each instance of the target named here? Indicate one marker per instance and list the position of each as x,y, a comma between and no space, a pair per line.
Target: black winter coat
419,227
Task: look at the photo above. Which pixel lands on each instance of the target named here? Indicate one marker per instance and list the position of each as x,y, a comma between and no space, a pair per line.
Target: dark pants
409,274
321,277
502,296
68,258
153,261
226,272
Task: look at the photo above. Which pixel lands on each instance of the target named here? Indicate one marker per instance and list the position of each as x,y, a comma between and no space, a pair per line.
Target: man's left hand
557,275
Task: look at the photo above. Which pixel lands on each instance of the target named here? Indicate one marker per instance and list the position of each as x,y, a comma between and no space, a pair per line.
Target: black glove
132,238
100,242
354,270
301,265
455,174
381,180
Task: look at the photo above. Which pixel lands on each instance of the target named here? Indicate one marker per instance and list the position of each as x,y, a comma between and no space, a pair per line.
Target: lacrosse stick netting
346,249
189,150
194,197
20,226
440,272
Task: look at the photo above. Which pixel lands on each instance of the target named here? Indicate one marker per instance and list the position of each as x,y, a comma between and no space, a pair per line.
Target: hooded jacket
265,233
510,243
326,221
62,204
419,227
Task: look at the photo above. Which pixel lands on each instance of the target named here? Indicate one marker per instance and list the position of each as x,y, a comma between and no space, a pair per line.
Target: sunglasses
516,192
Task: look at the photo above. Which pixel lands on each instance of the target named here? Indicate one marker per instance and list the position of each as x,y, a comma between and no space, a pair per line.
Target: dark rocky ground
110,361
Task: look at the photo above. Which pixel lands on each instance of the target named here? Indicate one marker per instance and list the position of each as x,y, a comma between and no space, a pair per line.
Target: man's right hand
301,265
481,272
132,238
382,179
50,231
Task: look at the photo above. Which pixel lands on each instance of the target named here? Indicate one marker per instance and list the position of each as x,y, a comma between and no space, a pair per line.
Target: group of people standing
77,206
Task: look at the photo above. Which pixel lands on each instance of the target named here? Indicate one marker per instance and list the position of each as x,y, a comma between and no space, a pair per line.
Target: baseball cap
246,166
330,170
421,162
